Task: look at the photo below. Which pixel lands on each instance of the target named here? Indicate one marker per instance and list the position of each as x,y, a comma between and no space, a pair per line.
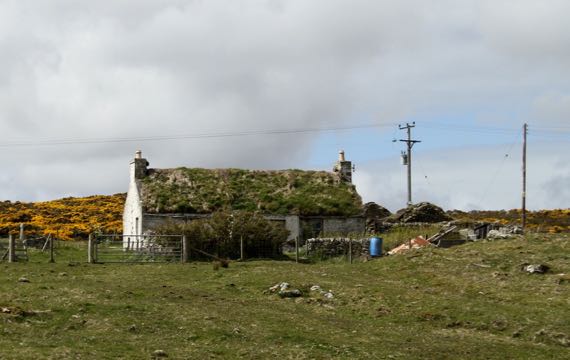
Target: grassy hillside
276,192
467,302
65,219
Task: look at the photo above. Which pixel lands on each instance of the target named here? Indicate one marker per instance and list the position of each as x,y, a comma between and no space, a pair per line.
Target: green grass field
471,301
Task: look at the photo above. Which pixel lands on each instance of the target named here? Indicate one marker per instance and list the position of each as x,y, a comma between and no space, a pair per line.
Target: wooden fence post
185,248
51,258
11,249
90,249
22,233
297,249
241,253
350,250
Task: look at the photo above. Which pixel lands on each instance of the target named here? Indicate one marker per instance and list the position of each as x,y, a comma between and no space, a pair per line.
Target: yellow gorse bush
66,219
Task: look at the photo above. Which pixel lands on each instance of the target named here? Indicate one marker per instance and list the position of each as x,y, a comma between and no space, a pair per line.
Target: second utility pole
525,132
410,143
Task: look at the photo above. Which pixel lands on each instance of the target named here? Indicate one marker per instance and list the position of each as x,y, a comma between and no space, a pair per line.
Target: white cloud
120,68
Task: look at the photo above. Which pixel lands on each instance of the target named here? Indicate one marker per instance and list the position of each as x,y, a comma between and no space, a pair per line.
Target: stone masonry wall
331,247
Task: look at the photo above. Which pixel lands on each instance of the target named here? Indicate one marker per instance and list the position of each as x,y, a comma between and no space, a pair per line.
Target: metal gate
136,248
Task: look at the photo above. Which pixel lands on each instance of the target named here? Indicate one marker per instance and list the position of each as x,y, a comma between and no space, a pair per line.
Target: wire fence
112,248
136,248
42,249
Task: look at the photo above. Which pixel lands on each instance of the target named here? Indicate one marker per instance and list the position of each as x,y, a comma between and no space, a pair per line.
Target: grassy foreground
471,301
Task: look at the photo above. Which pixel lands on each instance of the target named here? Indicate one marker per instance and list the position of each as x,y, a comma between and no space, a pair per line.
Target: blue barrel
375,246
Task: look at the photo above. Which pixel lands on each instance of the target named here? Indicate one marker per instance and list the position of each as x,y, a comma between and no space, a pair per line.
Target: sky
469,73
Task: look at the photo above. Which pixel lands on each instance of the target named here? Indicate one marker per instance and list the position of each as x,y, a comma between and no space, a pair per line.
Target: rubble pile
375,214
331,247
284,290
423,212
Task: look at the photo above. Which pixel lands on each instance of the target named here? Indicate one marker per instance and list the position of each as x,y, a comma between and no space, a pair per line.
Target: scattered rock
284,291
423,212
23,279
133,328
326,294
279,287
159,354
536,268
496,234
62,274
290,293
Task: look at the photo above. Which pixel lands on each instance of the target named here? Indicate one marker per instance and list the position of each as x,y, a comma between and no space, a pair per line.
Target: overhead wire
497,171
71,141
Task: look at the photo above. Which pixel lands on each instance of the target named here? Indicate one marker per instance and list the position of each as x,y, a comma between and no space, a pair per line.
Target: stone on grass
290,293
536,268
159,354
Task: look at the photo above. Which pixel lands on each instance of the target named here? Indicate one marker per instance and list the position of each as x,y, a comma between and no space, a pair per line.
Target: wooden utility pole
408,159
525,132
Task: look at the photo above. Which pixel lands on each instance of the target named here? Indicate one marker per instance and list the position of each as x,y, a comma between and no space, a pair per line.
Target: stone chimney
343,168
138,166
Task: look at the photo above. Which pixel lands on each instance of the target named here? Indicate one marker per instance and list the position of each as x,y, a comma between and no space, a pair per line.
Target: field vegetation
467,302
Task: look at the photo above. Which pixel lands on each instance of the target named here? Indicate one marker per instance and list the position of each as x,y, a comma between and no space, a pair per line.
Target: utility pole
408,156
525,132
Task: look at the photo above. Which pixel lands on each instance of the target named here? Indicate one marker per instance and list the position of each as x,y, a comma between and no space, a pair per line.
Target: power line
49,142
497,171
546,132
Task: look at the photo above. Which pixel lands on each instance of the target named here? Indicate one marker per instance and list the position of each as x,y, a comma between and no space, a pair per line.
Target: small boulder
293,293
536,268
156,354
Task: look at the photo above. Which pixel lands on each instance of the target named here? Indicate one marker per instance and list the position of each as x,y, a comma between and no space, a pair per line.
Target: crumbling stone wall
331,247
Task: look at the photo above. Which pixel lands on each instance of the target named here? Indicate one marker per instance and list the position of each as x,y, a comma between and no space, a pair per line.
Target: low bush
222,234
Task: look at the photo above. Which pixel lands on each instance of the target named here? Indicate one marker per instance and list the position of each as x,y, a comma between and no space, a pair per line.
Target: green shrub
221,235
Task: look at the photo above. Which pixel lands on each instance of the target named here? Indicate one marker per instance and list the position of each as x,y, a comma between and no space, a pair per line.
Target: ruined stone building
307,203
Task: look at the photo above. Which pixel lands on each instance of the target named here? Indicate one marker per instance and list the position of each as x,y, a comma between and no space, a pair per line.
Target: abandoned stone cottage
307,203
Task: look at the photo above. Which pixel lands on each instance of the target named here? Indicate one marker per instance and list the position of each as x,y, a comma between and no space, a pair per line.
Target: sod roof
282,192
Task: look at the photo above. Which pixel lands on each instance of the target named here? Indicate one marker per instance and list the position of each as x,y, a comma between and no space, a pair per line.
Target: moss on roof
195,190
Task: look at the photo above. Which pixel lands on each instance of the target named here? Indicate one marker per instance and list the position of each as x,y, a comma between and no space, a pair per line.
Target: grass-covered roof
194,190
